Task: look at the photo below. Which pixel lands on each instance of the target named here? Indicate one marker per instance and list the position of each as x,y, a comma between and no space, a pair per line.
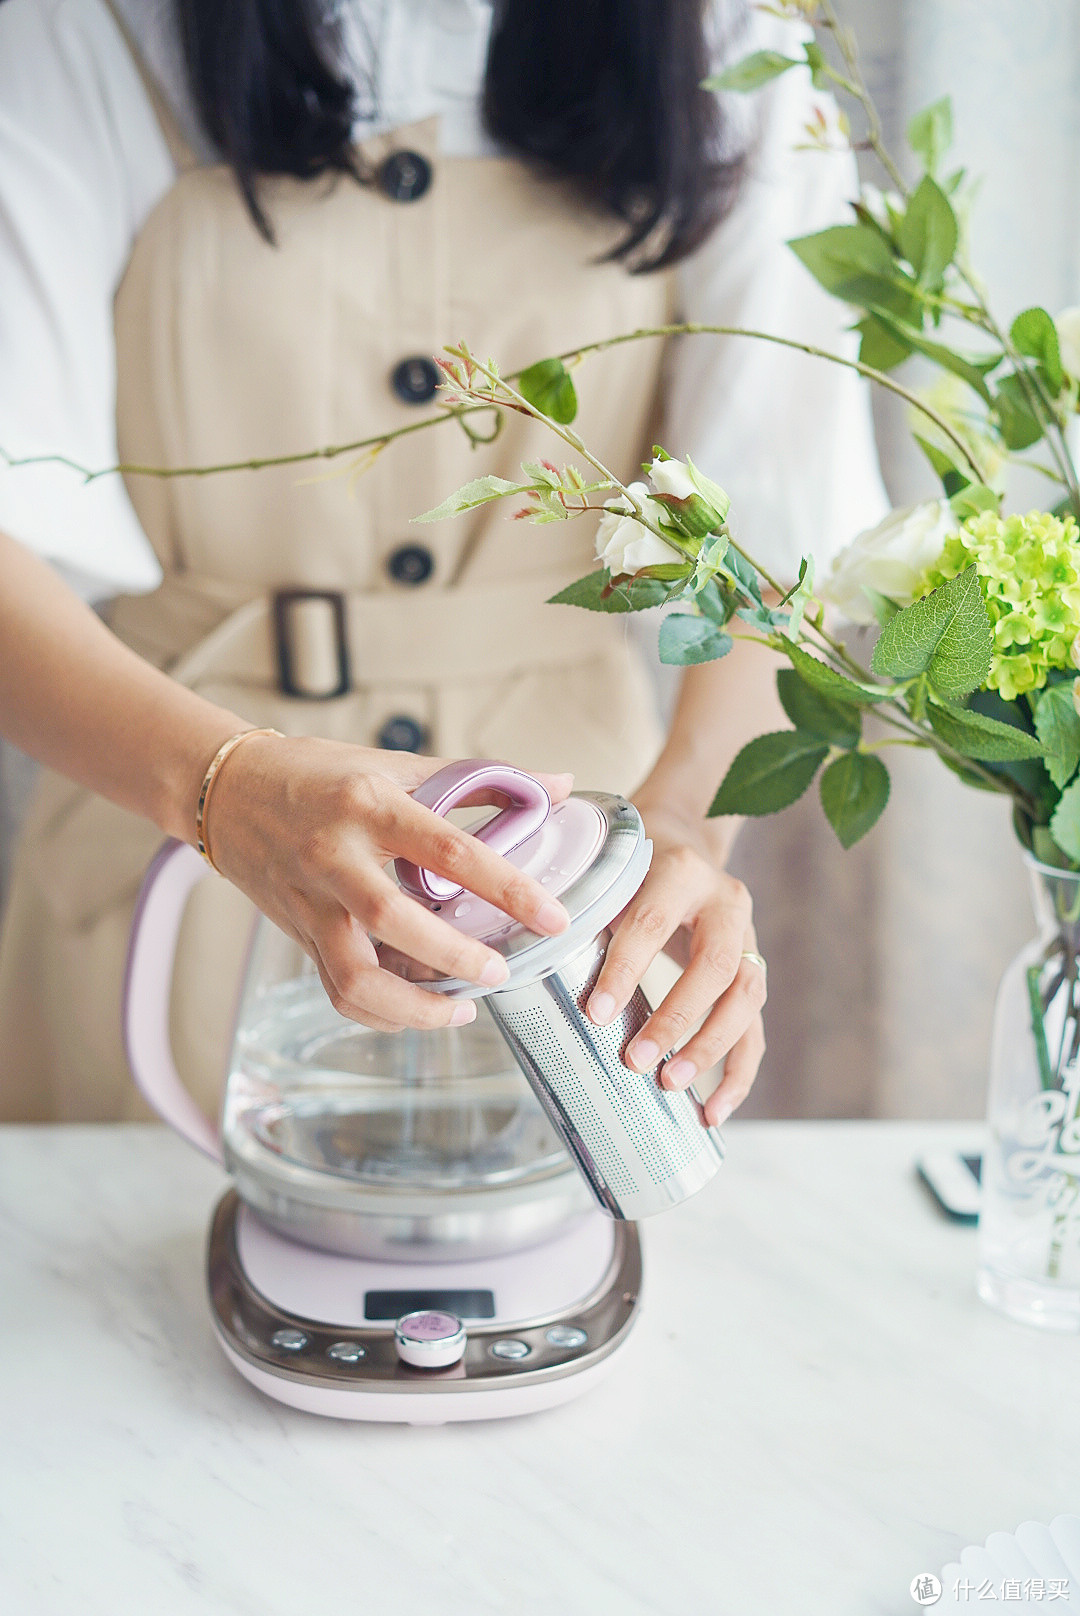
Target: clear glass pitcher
1029,1222
409,1145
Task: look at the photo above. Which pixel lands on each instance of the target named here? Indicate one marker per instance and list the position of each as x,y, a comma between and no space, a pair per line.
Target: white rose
624,544
889,558
1068,335
671,477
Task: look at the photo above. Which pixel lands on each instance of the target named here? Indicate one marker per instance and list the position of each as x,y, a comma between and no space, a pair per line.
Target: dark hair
605,93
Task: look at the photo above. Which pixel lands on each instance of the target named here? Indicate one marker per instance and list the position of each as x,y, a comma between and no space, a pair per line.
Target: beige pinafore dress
435,638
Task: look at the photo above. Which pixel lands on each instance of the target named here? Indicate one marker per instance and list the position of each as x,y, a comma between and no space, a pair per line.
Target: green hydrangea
1029,570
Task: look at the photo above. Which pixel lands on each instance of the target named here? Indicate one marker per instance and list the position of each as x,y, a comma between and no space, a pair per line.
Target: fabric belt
330,641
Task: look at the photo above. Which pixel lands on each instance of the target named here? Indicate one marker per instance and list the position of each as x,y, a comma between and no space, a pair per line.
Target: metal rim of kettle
421,1226
593,901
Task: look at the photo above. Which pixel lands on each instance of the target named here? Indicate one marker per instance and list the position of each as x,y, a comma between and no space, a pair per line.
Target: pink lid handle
529,807
155,932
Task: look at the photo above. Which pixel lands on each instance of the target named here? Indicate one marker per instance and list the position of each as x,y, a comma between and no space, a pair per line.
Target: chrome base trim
395,1226
246,1322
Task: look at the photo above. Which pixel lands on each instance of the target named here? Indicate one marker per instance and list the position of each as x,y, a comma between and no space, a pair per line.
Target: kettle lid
589,851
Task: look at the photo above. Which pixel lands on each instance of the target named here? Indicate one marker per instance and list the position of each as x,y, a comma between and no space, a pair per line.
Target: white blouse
83,162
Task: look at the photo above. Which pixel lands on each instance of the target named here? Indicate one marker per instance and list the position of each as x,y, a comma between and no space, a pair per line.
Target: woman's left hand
689,907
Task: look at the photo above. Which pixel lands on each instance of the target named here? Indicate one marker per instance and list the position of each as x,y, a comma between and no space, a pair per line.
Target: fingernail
601,1008
644,1054
494,972
463,1014
552,917
678,1074
722,1112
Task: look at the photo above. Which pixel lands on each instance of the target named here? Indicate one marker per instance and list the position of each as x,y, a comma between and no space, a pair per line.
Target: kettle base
316,1330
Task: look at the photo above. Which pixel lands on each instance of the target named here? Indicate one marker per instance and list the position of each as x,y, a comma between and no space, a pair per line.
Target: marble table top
813,1409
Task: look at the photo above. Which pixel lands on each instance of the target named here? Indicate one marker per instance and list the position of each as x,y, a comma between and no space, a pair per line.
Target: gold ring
755,959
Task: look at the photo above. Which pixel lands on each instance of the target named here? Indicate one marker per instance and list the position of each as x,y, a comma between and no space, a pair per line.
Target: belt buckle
284,600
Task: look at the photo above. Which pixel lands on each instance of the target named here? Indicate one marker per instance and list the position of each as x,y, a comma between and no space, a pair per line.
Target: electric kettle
421,1146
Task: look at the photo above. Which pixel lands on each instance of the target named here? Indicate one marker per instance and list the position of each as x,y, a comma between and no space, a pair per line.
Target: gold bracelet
201,839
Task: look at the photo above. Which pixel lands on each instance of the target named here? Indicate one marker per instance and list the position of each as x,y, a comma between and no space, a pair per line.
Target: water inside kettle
310,1091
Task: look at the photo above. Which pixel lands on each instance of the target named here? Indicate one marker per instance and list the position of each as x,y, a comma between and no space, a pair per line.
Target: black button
404,176
410,564
402,734
416,380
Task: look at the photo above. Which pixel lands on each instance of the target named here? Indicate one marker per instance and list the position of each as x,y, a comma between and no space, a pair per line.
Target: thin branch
676,329
856,87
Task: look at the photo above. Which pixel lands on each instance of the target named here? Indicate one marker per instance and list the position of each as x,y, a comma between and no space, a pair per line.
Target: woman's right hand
306,827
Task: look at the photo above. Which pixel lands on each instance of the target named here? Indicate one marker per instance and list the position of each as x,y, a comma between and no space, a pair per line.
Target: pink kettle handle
155,931
529,807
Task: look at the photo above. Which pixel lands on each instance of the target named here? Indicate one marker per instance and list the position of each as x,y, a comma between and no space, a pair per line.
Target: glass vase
1029,1223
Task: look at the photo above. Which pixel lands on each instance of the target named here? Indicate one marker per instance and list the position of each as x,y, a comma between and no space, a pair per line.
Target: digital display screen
385,1305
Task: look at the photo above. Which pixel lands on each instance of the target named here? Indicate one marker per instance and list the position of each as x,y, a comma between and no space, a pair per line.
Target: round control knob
429,1340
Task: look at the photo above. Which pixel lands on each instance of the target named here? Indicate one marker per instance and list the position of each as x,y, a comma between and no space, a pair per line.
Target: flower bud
693,502
625,545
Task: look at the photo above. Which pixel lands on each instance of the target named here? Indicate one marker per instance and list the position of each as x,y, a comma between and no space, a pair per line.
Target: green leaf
854,791
668,572
945,636
717,604
751,72
835,685
1046,850
942,463
548,387
986,740
820,76
770,773
799,598
837,722
1035,334
1065,822
969,369
880,348
481,491
855,262
597,593
883,608
1057,725
1020,426
930,133
929,233
685,640
972,498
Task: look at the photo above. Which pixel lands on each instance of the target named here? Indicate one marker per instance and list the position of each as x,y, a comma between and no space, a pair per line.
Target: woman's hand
689,907
305,828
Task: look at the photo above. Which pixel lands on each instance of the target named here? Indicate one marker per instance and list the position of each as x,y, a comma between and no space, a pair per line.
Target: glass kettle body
411,1146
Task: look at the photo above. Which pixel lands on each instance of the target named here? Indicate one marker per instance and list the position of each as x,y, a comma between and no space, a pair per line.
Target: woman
293,215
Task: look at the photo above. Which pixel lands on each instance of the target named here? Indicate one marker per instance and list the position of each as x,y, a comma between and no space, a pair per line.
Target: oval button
402,734
410,564
510,1349
404,176
289,1340
415,380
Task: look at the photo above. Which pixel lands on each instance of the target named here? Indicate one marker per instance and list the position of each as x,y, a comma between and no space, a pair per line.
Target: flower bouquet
978,610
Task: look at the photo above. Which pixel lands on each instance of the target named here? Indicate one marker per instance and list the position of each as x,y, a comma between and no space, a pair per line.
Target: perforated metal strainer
641,1148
